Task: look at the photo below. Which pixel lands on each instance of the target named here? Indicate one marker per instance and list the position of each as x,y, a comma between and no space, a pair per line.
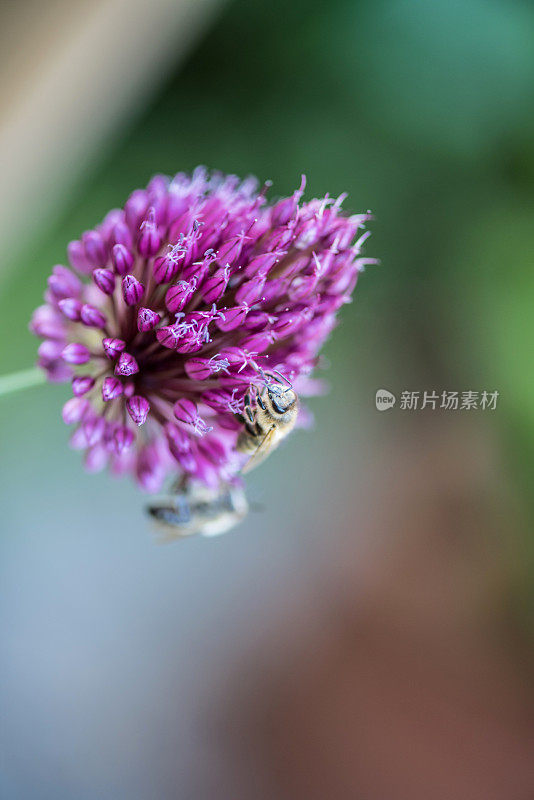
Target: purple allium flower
180,300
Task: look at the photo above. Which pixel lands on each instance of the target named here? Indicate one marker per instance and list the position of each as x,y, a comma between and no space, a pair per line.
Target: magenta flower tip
149,240
132,290
147,319
168,336
71,308
231,288
81,384
122,439
186,411
95,249
77,257
93,428
76,353
122,258
138,408
111,388
126,365
92,316
113,347
63,283
74,410
105,280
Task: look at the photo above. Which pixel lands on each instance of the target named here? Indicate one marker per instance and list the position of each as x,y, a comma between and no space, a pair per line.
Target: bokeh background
369,633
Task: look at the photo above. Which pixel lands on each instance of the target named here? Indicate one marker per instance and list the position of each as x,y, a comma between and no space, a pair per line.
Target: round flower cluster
174,305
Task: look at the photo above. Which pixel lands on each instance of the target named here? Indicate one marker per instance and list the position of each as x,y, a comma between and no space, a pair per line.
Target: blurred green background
422,110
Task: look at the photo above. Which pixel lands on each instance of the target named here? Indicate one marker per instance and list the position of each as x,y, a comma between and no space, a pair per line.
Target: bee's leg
257,429
248,409
252,427
248,421
247,418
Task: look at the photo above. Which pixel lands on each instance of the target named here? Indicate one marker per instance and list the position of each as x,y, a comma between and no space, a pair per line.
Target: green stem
21,380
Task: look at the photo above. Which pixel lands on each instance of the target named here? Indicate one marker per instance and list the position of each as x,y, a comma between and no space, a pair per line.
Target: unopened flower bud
122,259
71,308
111,388
126,365
81,384
105,280
113,347
147,319
149,240
132,290
76,353
92,317
138,408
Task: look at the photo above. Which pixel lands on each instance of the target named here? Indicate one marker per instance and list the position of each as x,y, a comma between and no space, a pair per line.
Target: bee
274,416
196,509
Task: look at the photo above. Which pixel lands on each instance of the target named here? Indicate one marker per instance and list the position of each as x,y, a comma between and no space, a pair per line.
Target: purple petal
135,208
180,447
259,342
122,259
105,280
64,283
96,458
126,365
71,308
74,410
198,369
178,296
230,251
49,352
185,411
123,438
166,267
47,323
113,347
168,336
150,471
149,240
138,408
214,288
111,388
121,234
286,209
92,317
251,291
81,384
77,257
132,290
95,249
93,428
147,319
232,318
177,438
76,353
261,263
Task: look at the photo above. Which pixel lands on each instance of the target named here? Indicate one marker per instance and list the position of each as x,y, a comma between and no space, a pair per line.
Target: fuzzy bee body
195,509
274,415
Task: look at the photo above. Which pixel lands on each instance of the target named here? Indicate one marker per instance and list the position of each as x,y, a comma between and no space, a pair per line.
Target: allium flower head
173,306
